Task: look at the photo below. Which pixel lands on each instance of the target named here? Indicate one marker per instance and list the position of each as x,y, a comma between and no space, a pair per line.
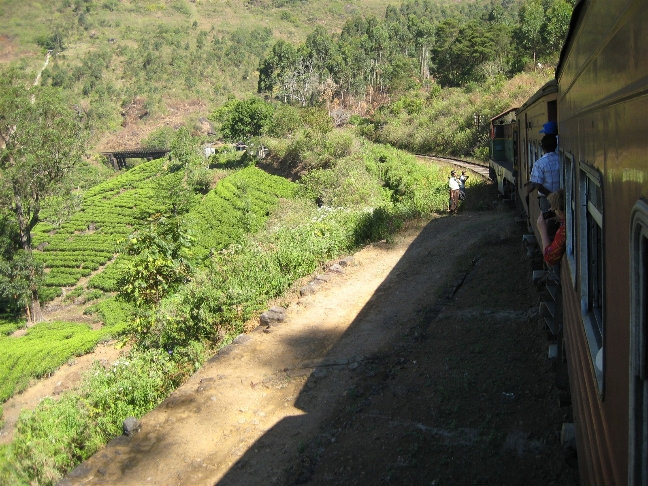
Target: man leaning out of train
545,175
553,248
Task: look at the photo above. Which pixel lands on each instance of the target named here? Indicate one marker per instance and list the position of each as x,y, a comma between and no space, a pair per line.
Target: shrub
58,434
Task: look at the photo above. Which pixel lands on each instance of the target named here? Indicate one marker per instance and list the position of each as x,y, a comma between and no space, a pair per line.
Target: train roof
549,87
577,13
500,115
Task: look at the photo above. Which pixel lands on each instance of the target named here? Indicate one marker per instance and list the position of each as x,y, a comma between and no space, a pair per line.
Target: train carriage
603,101
503,152
600,101
532,115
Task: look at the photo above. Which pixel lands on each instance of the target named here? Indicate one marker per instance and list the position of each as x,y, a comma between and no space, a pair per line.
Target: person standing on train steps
545,174
453,185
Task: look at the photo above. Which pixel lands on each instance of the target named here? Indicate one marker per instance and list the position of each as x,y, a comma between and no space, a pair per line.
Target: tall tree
557,24
243,119
531,21
41,139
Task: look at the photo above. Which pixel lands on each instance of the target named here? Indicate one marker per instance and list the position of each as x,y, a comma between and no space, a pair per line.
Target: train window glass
570,212
638,453
590,242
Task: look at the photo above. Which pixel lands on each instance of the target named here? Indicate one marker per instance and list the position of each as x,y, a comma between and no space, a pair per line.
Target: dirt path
421,364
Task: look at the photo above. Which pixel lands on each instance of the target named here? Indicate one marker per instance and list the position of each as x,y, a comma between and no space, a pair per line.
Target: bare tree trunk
35,313
425,72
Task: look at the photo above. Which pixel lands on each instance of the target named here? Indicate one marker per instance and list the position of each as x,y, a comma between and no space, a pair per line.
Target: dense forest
109,54
174,256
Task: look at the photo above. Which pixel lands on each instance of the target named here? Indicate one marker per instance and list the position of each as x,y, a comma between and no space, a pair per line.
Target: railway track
480,169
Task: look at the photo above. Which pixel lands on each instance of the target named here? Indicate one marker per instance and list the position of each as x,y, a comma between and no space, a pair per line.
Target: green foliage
347,184
44,348
42,140
58,434
108,213
185,149
160,138
542,28
16,278
416,189
113,312
242,119
159,265
442,121
239,204
52,42
9,324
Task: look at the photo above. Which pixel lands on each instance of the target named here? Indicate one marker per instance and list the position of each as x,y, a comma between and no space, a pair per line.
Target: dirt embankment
422,364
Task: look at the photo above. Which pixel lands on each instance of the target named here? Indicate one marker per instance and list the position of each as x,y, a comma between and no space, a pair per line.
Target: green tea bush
58,434
239,204
42,350
9,324
113,312
348,184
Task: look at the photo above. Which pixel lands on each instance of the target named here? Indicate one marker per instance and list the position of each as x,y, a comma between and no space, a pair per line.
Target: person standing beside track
462,185
453,184
545,175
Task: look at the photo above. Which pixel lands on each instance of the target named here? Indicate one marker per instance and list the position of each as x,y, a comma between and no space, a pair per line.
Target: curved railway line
481,169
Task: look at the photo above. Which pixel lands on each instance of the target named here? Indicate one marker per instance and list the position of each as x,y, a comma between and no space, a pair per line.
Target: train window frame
592,288
570,212
638,392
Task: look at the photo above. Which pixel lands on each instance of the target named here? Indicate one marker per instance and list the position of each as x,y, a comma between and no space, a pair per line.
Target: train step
547,309
554,291
551,324
529,239
538,276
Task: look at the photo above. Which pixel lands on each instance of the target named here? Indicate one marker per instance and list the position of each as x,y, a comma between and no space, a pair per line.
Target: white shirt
454,185
546,171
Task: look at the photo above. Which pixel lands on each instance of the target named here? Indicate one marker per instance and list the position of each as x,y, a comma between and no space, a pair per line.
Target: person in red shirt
553,248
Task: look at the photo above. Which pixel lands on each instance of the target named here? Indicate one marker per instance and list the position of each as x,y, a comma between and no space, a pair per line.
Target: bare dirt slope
422,364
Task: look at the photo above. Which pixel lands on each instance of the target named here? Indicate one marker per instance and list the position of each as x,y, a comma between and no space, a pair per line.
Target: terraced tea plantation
90,239
89,243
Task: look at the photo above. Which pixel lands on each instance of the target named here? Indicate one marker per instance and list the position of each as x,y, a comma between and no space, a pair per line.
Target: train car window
591,257
570,212
638,439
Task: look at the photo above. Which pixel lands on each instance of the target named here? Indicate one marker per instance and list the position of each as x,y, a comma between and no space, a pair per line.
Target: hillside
176,257
132,67
419,362
100,52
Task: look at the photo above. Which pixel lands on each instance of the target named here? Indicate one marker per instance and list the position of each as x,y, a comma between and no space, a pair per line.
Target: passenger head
453,173
557,200
550,127
549,143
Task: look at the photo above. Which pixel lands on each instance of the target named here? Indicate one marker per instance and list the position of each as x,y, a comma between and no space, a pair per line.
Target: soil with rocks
421,362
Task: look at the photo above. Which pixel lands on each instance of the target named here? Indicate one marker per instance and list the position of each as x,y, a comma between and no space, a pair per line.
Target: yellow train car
599,100
532,116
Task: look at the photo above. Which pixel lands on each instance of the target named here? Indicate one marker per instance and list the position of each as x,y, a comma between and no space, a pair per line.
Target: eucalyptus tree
41,139
529,31
557,23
